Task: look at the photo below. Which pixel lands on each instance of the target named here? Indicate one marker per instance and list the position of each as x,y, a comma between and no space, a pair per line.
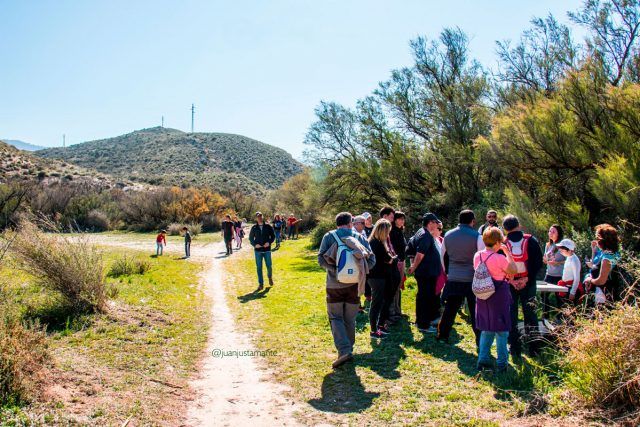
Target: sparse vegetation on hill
163,156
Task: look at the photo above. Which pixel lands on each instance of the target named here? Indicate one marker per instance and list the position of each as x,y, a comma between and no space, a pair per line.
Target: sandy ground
229,390
234,390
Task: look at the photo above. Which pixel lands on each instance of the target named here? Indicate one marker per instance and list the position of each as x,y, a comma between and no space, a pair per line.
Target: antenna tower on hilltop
193,113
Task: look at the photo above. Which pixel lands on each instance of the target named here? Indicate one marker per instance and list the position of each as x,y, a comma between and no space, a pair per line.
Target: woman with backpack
493,316
380,279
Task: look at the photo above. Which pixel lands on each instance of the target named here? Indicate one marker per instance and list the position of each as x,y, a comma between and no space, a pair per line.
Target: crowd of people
363,258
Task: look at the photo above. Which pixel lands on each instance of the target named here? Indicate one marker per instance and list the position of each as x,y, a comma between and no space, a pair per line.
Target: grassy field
406,379
132,362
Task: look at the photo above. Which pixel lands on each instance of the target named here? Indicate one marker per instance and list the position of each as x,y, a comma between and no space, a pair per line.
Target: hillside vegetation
163,156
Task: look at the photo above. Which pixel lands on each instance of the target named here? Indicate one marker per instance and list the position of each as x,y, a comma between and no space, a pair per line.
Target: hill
21,145
18,165
164,156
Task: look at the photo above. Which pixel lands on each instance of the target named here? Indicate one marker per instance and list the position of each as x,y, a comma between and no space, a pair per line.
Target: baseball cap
366,215
567,244
258,213
428,217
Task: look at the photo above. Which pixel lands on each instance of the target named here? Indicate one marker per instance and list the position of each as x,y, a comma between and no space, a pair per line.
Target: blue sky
96,69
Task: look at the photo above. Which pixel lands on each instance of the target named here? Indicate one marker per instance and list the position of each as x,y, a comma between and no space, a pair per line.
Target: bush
126,265
23,358
72,267
603,359
194,229
97,221
321,229
175,229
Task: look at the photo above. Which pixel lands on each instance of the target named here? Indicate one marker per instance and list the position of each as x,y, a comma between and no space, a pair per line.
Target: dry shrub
603,359
23,358
127,265
72,267
175,229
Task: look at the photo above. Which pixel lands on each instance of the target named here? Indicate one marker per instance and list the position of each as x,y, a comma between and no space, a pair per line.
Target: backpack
347,266
520,253
482,285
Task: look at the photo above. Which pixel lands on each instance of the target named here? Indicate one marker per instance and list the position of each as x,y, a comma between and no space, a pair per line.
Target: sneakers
430,330
341,360
377,335
270,281
383,330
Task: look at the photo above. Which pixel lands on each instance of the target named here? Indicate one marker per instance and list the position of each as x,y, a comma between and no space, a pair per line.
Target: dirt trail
229,390
234,390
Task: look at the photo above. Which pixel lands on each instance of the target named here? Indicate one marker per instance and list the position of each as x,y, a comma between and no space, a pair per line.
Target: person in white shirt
571,270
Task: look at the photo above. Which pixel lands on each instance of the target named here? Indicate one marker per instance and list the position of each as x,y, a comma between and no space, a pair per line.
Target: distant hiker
399,243
380,278
368,223
492,221
343,298
291,222
228,232
426,266
492,315
261,237
605,256
570,273
238,231
161,241
527,255
187,242
277,229
459,246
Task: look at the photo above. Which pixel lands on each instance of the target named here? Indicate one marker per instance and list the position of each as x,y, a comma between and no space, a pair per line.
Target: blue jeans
486,342
277,237
266,256
158,248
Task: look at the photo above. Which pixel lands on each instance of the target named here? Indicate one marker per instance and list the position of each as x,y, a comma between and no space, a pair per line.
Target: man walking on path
427,267
342,299
261,237
187,242
228,232
459,247
527,255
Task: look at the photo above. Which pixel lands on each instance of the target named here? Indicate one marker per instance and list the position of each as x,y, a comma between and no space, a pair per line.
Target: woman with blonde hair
380,279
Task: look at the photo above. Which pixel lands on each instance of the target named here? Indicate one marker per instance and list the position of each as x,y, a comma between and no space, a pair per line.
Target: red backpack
520,253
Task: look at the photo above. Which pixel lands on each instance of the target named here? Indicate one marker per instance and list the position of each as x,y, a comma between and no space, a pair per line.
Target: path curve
234,390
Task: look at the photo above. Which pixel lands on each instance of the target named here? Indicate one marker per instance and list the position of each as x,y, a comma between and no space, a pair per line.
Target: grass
406,379
134,360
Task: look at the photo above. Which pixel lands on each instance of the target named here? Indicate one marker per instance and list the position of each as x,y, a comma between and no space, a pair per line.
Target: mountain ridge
166,156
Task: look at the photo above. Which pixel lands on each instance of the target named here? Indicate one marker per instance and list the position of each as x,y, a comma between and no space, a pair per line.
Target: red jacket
160,238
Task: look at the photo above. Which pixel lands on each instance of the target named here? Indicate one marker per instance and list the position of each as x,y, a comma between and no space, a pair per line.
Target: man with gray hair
342,298
358,225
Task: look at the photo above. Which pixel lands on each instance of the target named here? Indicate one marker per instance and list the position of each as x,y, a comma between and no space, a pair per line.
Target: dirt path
229,390
234,390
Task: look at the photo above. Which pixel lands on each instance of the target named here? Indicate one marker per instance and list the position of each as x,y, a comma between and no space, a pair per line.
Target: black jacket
257,237
399,242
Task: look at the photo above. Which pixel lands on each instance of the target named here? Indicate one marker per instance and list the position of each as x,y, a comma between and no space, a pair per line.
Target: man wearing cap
427,267
459,247
261,237
368,223
571,270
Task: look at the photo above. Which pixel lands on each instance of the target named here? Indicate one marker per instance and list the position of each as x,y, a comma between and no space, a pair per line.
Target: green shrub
175,229
70,266
321,229
126,265
602,360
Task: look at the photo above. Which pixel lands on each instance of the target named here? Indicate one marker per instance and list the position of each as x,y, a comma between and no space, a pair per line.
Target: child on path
161,241
187,242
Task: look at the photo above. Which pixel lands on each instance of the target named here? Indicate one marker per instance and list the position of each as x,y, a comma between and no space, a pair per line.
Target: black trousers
426,301
527,298
227,243
452,303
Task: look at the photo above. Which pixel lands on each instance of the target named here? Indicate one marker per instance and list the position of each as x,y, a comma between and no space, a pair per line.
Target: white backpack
347,266
482,285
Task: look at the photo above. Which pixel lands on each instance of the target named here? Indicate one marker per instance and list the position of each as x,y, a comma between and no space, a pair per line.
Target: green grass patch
406,379
114,365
